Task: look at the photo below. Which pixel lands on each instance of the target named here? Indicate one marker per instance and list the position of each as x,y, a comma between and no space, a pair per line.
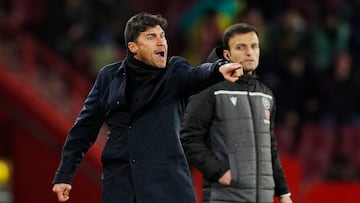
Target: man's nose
249,51
160,41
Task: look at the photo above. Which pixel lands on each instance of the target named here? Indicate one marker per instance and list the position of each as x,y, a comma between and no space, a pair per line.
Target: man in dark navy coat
141,101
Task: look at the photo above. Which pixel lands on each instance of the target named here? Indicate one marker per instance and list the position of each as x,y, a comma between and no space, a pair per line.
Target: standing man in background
227,131
140,99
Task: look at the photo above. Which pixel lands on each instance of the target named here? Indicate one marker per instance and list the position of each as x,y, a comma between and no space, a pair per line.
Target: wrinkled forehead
154,31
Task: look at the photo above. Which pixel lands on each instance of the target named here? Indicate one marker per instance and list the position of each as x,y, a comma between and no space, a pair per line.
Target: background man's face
244,49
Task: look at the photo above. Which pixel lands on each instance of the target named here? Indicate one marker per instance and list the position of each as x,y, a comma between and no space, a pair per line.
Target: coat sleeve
191,80
194,135
82,135
281,186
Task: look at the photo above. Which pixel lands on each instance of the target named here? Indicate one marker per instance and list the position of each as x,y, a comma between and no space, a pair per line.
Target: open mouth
161,53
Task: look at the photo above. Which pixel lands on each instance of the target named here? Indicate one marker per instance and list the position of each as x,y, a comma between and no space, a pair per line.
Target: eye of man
240,47
153,36
150,37
243,47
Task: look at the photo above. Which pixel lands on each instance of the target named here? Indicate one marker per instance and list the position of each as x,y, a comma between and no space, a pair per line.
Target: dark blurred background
51,51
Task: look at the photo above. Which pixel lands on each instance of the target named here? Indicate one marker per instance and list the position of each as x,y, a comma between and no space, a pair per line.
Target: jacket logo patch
266,104
233,100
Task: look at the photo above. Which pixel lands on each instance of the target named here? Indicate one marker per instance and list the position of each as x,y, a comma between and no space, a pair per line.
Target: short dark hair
140,22
238,28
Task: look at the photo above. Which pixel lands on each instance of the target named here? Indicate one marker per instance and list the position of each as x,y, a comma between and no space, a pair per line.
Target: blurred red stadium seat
316,150
349,144
285,138
331,192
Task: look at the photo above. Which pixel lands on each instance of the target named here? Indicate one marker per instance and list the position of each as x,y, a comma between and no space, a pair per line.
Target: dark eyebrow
244,44
240,44
154,34
151,34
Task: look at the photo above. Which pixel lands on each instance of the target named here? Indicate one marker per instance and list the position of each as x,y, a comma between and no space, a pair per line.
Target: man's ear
132,47
226,54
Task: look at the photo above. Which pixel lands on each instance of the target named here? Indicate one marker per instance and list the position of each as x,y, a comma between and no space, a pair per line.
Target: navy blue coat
143,157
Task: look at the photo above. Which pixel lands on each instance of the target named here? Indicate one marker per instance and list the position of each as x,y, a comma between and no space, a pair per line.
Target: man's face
151,47
244,49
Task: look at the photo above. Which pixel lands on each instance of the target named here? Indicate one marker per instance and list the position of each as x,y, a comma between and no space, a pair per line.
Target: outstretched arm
191,80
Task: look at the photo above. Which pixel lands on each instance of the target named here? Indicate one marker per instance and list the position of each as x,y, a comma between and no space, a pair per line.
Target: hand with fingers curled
231,71
62,191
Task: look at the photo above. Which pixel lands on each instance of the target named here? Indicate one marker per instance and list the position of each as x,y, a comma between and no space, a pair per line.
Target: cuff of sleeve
213,170
214,174
62,178
285,195
219,63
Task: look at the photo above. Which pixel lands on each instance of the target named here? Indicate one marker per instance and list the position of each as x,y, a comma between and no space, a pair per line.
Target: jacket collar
248,79
121,69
